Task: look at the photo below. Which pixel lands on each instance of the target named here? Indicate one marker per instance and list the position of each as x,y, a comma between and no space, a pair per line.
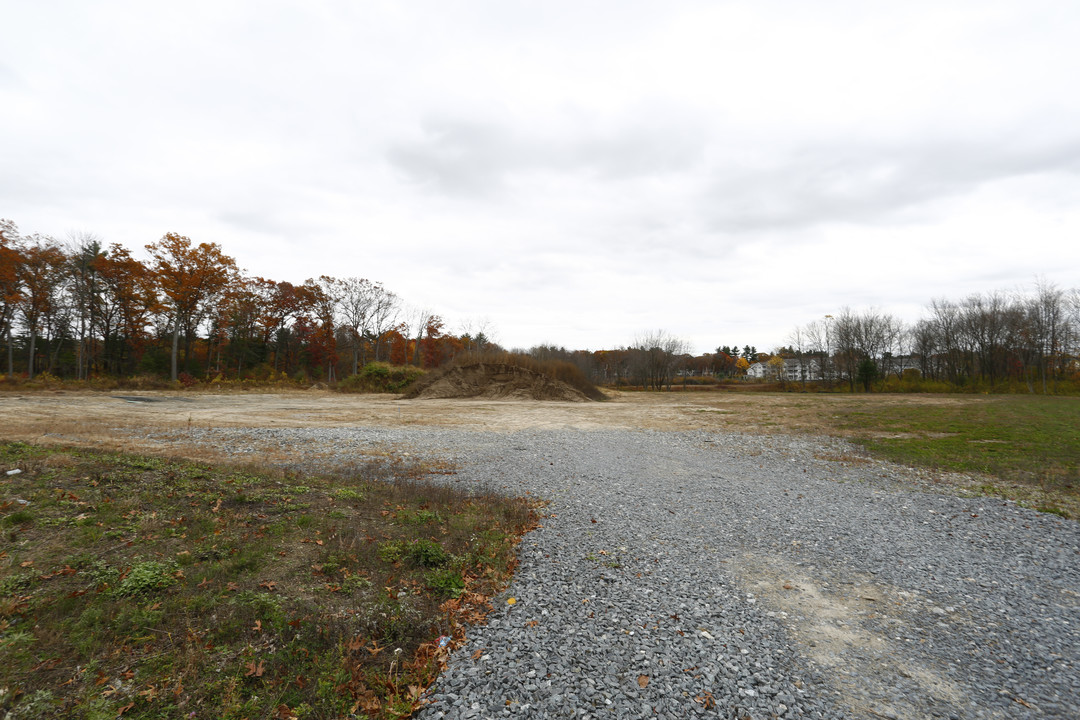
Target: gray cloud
474,157
858,183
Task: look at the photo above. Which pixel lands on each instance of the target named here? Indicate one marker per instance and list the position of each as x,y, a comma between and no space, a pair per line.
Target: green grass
1030,445
148,588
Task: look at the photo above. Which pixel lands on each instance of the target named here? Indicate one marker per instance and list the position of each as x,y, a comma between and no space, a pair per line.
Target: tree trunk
175,345
33,349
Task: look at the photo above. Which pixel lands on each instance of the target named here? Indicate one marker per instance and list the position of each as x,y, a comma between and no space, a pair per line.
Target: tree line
77,309
1027,337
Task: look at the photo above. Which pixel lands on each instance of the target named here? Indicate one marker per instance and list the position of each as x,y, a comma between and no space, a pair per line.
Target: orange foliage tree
191,279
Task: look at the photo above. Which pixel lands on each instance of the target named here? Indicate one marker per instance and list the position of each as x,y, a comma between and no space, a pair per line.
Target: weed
19,517
146,577
448,582
391,551
348,493
428,553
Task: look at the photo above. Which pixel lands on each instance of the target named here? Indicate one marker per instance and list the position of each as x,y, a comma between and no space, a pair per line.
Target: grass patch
149,588
1030,443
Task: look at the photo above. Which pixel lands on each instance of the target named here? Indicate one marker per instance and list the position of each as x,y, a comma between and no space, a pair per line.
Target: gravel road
687,574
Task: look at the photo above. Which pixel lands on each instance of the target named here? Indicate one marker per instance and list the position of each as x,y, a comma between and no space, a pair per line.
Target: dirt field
93,417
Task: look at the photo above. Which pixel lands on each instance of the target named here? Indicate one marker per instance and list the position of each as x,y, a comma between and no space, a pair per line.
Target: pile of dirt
499,381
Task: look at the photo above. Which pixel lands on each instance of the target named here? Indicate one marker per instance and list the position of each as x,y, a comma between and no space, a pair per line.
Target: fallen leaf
642,681
268,584
258,626
204,583
511,601
28,563
124,708
233,587
476,655
255,670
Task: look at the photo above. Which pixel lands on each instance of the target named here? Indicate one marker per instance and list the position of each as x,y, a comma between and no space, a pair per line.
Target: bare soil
498,381
94,417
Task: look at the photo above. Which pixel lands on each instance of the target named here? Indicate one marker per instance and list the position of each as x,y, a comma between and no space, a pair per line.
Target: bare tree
1046,323
356,298
656,354
415,323
385,307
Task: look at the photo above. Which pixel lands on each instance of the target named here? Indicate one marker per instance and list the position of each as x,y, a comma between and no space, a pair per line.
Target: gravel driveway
685,574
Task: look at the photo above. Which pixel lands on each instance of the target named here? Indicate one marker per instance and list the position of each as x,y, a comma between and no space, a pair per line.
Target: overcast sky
572,173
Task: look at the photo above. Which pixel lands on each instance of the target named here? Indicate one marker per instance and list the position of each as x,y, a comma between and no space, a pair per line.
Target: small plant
418,517
348,493
448,582
19,517
146,577
391,551
428,553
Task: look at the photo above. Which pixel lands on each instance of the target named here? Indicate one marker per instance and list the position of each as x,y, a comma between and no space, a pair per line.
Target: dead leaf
642,681
476,655
233,587
124,708
255,670
511,601
258,626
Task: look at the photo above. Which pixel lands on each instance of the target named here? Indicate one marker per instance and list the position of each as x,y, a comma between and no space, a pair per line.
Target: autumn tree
128,300
325,302
11,260
191,279
42,274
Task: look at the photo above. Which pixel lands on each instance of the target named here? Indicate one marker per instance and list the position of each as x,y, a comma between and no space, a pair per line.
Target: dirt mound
495,381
